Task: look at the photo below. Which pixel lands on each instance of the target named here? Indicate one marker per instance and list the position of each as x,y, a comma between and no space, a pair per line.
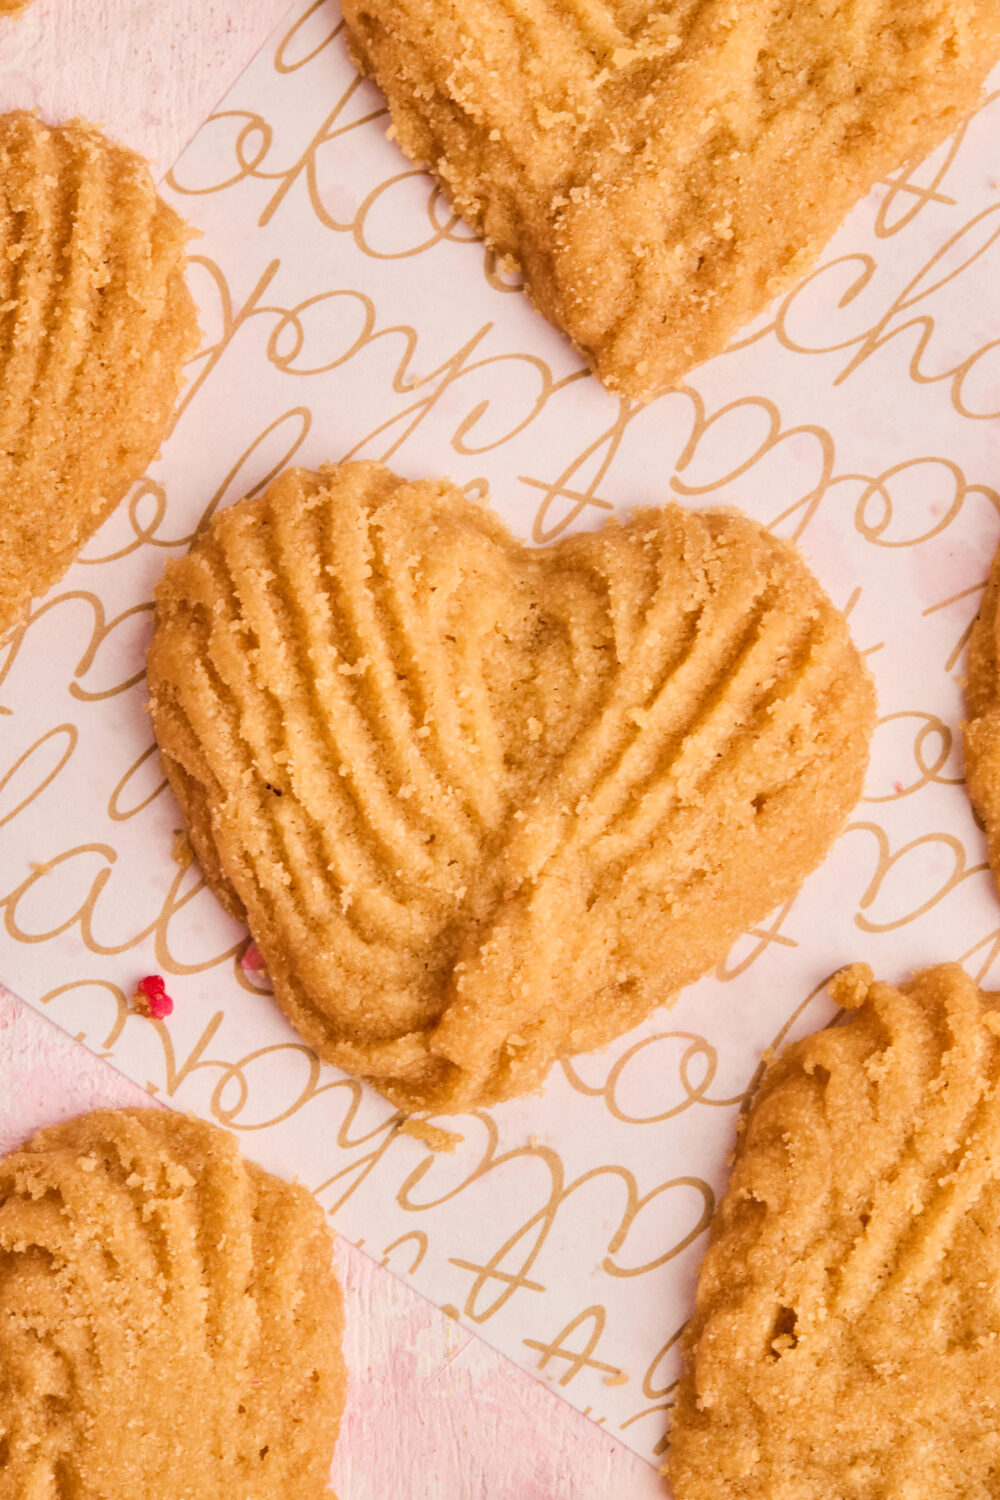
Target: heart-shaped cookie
170,1322
484,806
846,1340
661,171
95,324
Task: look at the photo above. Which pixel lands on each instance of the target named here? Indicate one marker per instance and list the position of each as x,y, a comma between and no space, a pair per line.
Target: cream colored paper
346,313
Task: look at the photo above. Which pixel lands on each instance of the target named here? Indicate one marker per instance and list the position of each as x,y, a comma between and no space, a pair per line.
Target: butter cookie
981,733
95,324
846,1339
170,1322
661,172
483,806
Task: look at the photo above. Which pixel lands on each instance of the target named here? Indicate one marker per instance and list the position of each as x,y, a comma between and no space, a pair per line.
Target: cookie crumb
252,961
849,987
181,850
432,1135
151,998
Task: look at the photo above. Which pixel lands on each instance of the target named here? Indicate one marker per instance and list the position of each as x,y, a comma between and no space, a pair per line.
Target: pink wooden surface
433,1413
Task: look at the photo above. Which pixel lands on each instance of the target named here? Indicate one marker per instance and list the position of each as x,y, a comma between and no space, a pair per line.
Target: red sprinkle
152,999
253,959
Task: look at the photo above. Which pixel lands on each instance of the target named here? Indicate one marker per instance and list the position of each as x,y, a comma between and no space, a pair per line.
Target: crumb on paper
849,987
618,1378
450,1310
151,998
42,866
433,1136
182,852
252,960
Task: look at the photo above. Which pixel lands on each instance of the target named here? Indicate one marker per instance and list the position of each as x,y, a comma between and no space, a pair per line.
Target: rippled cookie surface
846,1342
95,324
981,733
169,1320
662,170
484,806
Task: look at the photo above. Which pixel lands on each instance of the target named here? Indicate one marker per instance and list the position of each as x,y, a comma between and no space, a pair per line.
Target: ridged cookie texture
846,1340
169,1319
981,733
484,806
95,324
660,172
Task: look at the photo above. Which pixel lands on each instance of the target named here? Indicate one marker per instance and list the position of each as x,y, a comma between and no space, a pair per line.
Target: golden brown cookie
95,324
484,806
846,1341
170,1323
660,172
981,733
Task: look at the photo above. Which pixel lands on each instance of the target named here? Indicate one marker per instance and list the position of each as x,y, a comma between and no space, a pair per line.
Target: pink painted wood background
433,1413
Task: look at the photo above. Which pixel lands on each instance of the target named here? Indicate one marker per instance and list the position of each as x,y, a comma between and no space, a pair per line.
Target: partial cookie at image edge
661,175
981,732
846,1339
172,1321
96,323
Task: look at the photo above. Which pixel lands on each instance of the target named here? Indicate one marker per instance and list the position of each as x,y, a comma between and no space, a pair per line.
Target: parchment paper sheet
346,313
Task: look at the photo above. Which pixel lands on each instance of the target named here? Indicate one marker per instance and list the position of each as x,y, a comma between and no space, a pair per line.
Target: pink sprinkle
899,788
152,999
253,959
